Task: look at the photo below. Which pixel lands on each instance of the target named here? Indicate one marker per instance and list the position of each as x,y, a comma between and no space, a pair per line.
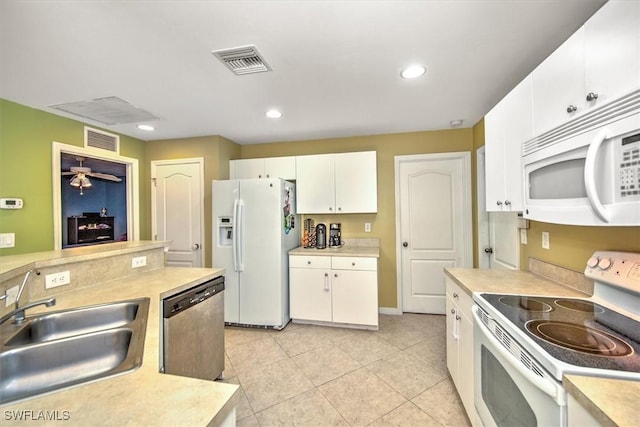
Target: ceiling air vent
100,139
243,60
110,111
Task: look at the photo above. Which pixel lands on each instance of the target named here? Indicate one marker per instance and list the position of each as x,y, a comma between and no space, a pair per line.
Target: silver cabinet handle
508,203
591,96
453,311
195,247
330,208
308,262
455,295
353,264
326,282
499,203
572,109
457,317
339,208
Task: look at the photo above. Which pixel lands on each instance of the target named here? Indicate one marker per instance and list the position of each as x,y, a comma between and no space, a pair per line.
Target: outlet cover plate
139,261
57,279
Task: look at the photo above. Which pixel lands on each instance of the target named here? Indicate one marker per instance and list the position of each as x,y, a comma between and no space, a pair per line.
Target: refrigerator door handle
234,236
239,249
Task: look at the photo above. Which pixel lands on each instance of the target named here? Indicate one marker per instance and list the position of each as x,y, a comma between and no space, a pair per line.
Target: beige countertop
357,251
612,402
143,397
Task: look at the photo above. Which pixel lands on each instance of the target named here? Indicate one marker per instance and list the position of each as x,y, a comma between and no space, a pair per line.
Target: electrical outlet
545,240
7,240
367,227
523,236
11,293
139,261
57,279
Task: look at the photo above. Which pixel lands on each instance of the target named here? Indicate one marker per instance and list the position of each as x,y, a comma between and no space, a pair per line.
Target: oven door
507,392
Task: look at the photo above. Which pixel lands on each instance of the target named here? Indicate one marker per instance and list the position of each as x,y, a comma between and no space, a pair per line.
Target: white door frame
483,217
467,200
154,224
132,187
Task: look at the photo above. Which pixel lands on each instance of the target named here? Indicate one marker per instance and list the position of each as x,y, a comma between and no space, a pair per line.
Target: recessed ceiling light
146,127
456,123
273,114
413,71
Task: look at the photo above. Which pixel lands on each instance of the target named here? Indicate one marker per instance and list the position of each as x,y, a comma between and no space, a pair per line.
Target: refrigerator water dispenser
225,231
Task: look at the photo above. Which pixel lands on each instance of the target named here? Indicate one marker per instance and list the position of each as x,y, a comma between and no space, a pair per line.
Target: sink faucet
18,312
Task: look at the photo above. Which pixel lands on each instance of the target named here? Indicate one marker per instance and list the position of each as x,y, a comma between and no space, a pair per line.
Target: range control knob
593,262
605,264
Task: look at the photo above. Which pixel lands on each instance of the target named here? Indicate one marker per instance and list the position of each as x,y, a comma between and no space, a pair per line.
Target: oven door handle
546,385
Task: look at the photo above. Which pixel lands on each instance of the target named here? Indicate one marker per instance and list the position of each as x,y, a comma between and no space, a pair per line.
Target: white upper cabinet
356,182
270,167
598,62
612,60
507,126
337,183
558,85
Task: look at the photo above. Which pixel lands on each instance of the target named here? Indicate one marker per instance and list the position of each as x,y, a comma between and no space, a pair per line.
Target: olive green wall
26,137
216,151
570,246
384,222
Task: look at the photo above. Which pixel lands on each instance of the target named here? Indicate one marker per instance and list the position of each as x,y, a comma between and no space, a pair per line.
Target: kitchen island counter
610,401
142,397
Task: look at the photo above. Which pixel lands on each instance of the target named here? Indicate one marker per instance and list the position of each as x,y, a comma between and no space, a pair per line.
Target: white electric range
523,345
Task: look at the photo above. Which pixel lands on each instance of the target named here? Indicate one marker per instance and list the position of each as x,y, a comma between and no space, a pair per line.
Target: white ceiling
336,64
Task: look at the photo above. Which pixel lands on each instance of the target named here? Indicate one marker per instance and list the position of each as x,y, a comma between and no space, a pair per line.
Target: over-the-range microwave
587,172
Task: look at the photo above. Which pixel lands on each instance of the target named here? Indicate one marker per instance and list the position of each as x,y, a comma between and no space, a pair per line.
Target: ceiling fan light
84,182
75,181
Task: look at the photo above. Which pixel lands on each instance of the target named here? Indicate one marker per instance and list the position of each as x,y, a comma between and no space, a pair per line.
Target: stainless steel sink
79,321
65,348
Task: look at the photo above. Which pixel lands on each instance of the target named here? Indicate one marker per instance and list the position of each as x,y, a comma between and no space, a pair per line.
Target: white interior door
504,243
178,209
433,214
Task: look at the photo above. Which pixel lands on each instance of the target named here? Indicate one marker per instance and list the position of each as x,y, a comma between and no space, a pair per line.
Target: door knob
488,250
405,244
195,247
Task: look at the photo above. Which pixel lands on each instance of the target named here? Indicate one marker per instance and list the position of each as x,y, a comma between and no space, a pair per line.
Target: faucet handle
3,297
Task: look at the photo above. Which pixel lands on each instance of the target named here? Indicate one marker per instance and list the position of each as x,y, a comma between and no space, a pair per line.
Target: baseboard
390,310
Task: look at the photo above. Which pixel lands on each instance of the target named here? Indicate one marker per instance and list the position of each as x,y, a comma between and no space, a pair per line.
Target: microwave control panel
630,166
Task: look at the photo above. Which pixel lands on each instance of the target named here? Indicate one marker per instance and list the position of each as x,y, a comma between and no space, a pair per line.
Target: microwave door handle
590,175
543,383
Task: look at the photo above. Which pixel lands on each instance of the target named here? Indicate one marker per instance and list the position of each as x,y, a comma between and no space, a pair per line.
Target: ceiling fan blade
68,173
104,176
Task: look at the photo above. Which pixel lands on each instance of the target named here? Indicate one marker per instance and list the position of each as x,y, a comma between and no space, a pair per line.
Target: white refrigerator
255,226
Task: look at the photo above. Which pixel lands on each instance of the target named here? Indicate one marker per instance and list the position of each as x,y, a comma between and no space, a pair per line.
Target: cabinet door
453,333
465,362
247,169
356,182
315,184
355,297
559,83
280,167
310,294
612,57
507,126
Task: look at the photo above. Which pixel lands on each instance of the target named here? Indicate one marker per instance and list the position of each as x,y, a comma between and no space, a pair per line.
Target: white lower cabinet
460,344
334,289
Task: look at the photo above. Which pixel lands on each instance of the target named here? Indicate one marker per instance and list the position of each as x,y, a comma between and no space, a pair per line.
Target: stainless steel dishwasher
193,331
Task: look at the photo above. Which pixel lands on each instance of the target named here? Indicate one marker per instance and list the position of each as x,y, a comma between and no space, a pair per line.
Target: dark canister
321,236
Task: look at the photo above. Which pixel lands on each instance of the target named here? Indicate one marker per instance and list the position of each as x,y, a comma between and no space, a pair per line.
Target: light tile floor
321,376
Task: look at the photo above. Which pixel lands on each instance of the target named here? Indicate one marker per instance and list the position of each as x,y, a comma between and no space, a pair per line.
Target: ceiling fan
81,176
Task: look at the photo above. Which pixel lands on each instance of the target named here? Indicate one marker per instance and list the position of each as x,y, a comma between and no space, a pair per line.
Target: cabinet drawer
302,261
460,297
354,263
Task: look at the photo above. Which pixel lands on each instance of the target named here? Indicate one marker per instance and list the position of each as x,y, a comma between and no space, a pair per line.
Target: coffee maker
335,238
321,236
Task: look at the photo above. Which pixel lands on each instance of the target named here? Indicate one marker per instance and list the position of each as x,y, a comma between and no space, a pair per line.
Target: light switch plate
11,293
523,236
7,240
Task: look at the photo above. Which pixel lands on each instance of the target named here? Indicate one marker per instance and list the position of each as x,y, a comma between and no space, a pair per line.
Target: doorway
177,209
433,226
121,205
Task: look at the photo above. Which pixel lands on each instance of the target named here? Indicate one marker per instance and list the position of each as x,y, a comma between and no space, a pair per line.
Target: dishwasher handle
190,297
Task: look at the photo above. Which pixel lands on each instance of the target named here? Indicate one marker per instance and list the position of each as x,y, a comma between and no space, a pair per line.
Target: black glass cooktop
575,331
